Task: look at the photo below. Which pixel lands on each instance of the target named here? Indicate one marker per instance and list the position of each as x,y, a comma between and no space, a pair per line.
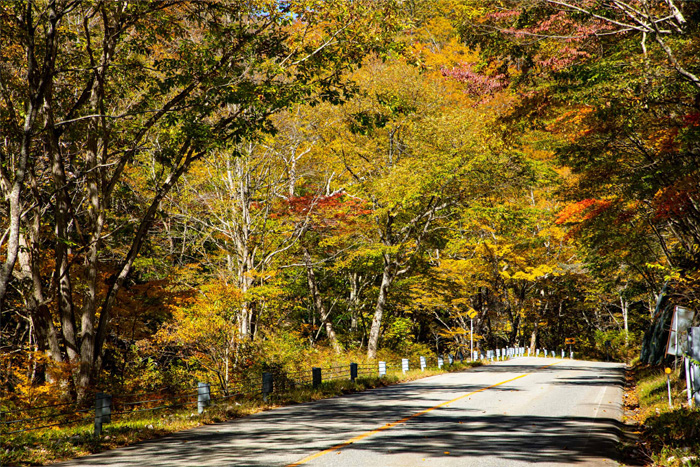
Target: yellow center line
403,420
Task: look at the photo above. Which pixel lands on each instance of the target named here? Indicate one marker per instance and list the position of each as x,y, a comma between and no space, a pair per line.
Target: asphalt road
520,412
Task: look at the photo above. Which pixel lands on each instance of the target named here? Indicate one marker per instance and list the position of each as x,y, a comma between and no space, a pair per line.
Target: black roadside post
353,372
103,411
266,385
316,377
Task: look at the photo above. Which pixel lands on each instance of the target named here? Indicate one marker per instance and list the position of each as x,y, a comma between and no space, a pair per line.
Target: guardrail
108,406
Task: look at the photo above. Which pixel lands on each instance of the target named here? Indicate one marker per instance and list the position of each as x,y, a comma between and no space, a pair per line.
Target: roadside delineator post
353,372
422,363
688,378
404,365
382,369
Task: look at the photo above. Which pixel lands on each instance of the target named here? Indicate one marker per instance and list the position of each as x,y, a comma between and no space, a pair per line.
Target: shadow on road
293,431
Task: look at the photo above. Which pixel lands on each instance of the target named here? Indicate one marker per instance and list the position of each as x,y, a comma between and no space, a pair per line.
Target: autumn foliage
211,189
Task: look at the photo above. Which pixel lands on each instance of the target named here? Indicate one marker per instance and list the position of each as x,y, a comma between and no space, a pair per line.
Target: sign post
472,314
570,341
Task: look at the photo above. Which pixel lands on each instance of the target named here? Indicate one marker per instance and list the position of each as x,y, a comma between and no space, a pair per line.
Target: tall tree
131,85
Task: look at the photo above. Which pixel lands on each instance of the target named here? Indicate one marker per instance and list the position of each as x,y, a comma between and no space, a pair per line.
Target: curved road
515,413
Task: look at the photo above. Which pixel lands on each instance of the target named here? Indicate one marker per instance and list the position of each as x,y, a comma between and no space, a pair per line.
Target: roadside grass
46,446
667,436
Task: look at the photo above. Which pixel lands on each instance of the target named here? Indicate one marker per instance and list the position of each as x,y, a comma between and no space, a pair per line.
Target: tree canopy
216,185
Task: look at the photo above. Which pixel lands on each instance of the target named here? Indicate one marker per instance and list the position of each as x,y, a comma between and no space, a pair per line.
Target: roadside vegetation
664,436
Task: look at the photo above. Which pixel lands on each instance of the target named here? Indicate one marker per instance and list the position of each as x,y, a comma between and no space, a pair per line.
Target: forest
202,190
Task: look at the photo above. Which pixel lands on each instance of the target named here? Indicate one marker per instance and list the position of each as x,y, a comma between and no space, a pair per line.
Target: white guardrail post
203,396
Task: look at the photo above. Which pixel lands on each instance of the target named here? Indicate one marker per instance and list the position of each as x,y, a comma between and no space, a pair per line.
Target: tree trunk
239,184
624,305
318,304
245,318
533,339
62,276
39,78
514,324
353,301
96,217
387,279
42,324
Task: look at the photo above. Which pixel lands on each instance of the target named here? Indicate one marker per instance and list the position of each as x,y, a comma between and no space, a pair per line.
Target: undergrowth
667,436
